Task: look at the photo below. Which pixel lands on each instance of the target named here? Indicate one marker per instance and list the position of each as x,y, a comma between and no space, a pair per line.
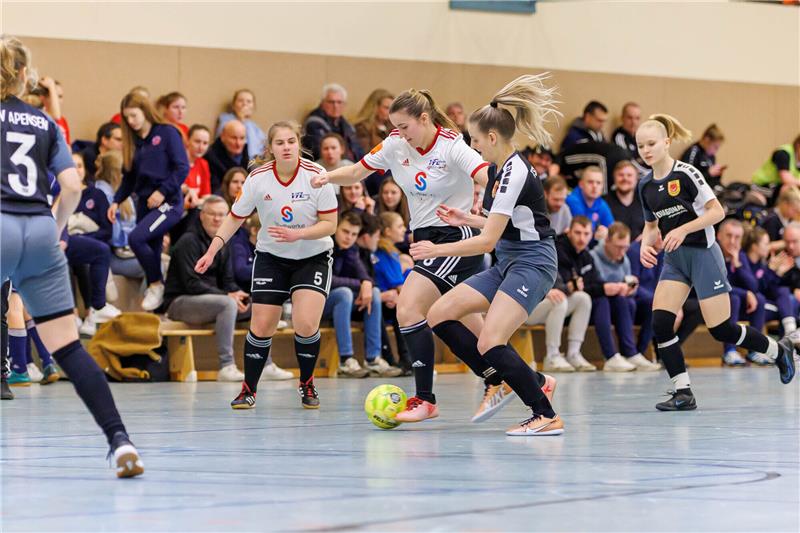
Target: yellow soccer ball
382,405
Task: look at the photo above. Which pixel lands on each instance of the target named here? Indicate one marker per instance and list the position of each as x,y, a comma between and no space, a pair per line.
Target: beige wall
96,75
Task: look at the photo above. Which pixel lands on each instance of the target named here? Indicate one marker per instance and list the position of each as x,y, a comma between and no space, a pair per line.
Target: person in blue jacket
155,165
586,200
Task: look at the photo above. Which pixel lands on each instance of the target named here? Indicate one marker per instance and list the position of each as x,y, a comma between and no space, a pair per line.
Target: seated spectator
780,304
354,198
109,137
331,152
703,155
555,193
229,151
588,127
328,117
368,240
198,182
242,107
352,290
787,210
86,244
455,111
585,201
52,95
372,123
620,302
624,200
232,183
172,107
567,299
625,136
782,169
142,91
212,297
787,268
746,301
604,155
392,199
541,159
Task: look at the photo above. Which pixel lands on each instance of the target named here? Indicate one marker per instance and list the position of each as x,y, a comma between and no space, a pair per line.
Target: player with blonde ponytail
680,211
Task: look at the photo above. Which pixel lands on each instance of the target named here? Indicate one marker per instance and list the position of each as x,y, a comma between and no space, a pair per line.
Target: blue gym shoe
21,379
785,360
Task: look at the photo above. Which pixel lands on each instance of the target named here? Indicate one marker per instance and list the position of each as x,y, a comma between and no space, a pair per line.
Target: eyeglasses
335,102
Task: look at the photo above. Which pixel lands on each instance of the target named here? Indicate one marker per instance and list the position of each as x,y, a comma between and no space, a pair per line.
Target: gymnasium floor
621,466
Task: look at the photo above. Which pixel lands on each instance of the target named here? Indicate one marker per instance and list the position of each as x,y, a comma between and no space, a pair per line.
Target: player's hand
556,296
240,298
204,263
111,214
648,256
423,250
451,216
752,302
319,180
674,239
390,297
282,234
155,200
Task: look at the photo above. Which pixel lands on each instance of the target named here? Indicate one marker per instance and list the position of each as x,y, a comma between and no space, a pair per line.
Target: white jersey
295,204
441,174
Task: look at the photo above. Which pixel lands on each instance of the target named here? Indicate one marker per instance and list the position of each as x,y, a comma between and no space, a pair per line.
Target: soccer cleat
417,410
579,363
308,393
549,387
557,363
759,359
125,456
494,398
785,359
680,401
537,426
733,358
50,375
5,391
16,379
245,399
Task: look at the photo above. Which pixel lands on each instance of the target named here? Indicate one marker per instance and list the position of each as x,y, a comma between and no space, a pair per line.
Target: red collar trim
433,142
275,173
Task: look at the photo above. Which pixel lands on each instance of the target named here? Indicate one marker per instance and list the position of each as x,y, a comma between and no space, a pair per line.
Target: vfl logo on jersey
286,213
376,149
674,187
156,140
437,163
420,181
300,197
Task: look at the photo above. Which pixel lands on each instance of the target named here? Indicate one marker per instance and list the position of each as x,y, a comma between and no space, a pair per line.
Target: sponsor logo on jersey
300,197
156,140
268,197
405,163
441,164
376,149
674,187
421,181
90,203
286,213
673,211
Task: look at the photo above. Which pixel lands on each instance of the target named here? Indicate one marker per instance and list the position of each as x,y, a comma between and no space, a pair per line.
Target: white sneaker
108,312
34,373
381,368
733,358
282,324
579,363
153,297
618,364
88,327
643,364
78,321
229,373
351,369
111,288
557,363
273,372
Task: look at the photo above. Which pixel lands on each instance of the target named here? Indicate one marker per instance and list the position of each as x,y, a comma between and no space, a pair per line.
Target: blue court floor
732,465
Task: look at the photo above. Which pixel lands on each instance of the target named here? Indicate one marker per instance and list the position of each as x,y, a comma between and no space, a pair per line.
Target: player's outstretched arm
224,233
453,216
480,244
348,175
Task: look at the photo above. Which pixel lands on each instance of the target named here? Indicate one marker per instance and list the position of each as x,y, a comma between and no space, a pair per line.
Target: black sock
256,354
521,378
671,355
307,350
91,385
464,344
540,379
419,339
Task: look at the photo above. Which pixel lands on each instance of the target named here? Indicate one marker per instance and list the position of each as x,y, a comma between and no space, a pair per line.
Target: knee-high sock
256,355
669,348
464,344
419,339
307,350
33,335
16,350
521,378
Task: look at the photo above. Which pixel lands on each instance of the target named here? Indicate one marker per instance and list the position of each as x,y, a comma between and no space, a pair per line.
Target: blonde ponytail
14,56
674,129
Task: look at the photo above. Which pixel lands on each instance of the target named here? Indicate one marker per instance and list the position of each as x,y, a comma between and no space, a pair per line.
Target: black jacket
219,162
182,280
318,124
573,265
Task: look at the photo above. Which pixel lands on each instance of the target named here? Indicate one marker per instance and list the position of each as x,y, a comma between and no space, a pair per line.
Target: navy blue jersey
32,147
516,192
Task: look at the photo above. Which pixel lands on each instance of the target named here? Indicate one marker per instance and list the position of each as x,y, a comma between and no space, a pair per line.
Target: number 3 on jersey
20,158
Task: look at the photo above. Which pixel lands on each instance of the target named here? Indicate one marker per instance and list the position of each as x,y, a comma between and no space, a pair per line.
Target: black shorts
447,272
276,278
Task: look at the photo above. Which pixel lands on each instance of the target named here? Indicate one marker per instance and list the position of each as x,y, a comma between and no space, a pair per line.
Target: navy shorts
447,272
701,268
525,274
34,262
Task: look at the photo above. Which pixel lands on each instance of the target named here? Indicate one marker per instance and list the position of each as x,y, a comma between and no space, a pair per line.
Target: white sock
574,347
772,350
552,351
681,381
789,324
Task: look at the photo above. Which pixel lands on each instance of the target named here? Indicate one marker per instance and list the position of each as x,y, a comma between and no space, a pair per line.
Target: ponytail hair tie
493,104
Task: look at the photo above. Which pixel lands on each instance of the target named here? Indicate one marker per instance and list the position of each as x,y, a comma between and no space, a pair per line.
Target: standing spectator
109,137
232,183
328,117
154,165
587,128
620,302
585,200
210,297
144,92
229,151
372,122
625,136
541,159
555,194
354,198
781,169
197,184
702,155
624,200
746,301
455,111
172,107
787,210
52,95
242,107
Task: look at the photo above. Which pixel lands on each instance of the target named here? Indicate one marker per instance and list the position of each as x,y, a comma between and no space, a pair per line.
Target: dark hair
593,106
370,224
752,236
580,220
622,164
554,183
166,100
618,229
197,127
713,133
334,135
351,217
402,207
105,131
